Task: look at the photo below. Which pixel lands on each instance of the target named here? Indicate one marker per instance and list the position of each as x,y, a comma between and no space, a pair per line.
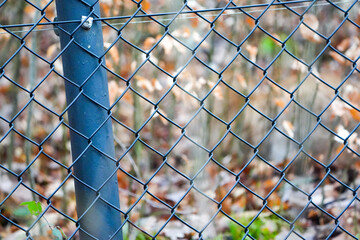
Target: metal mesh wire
231,119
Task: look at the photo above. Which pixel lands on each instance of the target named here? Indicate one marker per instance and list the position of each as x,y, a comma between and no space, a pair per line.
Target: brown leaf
337,57
252,50
308,34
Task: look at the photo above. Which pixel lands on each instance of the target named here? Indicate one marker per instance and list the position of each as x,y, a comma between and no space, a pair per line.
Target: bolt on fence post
86,117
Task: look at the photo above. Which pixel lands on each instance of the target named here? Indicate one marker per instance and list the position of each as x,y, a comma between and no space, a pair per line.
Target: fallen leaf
279,102
307,33
289,128
355,114
145,5
252,50
148,43
337,57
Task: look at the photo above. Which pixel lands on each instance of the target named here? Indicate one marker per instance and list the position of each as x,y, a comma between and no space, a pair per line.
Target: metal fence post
91,130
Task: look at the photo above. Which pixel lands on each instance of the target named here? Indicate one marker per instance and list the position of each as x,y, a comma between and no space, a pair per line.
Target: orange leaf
114,54
145,5
338,150
187,32
29,9
250,21
194,21
355,114
51,50
4,89
105,9
280,103
148,43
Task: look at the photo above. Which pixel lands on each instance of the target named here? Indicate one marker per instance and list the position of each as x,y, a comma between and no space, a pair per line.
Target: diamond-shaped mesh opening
49,90
340,74
36,122
314,95
351,94
216,58
327,150
45,52
63,199
287,201
187,157
305,173
197,133
9,183
155,87
232,153
149,224
296,122
189,29
330,192
170,55
53,224
292,71
11,95
228,25
197,79
308,45
276,99
179,115
240,126
218,102
168,186
340,119
139,34
134,118
329,14
48,175
129,189
261,49
15,210
215,182
122,58
349,221
166,133
145,158
56,148
314,215
342,171
250,176
203,212
277,147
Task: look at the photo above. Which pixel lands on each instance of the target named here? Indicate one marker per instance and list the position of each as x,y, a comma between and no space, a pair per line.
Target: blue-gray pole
91,131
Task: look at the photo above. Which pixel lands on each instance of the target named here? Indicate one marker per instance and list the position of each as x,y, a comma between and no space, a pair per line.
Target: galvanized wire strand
318,3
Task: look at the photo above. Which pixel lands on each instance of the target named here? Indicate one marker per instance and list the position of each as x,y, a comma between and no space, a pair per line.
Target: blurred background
250,119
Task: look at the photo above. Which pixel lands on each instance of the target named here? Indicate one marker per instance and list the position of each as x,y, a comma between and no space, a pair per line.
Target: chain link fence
230,119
